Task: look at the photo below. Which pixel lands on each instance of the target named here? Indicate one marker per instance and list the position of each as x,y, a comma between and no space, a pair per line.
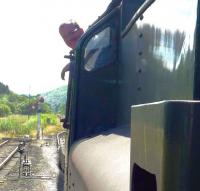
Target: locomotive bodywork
127,64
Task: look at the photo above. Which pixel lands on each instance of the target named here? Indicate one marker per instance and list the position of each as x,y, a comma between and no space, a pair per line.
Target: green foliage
62,108
4,89
4,110
46,108
49,119
21,125
11,124
11,103
57,99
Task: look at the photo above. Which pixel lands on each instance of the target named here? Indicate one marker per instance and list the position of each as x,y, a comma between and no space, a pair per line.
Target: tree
45,108
4,110
4,89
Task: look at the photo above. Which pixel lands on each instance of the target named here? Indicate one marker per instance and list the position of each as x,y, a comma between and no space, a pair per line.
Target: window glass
98,52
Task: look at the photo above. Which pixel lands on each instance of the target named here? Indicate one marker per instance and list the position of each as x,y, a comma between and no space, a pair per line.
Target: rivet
141,17
140,53
140,35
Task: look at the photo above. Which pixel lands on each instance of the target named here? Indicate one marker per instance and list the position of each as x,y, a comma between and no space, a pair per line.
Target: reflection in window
98,52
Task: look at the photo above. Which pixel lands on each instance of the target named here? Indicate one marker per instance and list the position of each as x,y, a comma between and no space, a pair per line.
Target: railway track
8,149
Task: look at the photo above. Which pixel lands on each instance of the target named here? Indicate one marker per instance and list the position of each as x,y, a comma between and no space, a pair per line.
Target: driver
71,33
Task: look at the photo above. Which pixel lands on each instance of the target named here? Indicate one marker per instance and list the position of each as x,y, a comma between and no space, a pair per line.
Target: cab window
99,51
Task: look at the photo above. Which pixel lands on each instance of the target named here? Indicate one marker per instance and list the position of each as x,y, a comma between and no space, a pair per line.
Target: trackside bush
21,124
4,110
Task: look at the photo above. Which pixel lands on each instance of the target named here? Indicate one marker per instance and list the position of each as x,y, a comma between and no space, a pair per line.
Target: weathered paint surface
165,143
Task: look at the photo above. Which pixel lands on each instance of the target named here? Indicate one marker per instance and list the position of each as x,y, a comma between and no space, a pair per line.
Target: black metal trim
197,57
136,16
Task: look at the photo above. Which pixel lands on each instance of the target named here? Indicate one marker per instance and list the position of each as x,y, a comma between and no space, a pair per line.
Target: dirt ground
45,174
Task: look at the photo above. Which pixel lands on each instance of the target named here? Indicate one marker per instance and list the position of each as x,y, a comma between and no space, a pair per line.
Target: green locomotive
132,118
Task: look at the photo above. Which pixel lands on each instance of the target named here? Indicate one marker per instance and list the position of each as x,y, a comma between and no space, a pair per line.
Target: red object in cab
70,33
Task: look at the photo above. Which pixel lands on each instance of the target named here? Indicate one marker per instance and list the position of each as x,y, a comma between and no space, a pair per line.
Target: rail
2,164
3,143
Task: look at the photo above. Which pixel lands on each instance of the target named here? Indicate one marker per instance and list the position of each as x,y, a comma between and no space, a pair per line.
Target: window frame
113,44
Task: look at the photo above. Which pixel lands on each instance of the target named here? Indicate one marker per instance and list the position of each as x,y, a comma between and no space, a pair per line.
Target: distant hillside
12,103
57,99
4,89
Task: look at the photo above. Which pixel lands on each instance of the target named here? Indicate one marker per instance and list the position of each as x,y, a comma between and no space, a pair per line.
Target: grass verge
20,125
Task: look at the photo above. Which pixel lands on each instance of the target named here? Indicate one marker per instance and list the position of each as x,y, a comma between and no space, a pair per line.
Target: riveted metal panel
158,55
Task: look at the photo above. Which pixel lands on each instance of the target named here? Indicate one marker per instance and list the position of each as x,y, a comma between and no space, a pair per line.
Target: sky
31,49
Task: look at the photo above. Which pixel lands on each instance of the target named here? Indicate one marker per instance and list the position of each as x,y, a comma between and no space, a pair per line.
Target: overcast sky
31,49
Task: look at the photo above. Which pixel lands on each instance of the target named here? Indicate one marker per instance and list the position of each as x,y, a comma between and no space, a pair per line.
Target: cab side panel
158,55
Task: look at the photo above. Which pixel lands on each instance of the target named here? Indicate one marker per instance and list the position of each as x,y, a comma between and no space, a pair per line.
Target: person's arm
68,68
65,69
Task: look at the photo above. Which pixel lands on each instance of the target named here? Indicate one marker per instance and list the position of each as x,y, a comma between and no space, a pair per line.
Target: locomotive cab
136,54
97,112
